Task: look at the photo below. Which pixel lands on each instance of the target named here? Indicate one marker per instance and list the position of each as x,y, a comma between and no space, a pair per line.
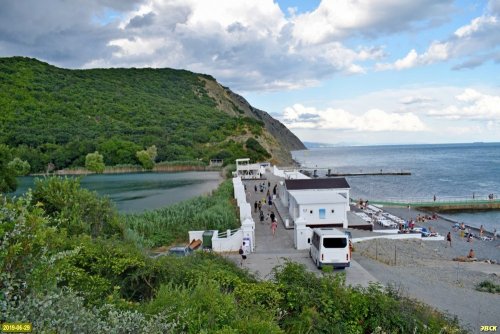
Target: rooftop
320,183
311,197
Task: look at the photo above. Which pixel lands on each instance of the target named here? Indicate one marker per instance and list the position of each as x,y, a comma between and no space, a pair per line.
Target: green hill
54,115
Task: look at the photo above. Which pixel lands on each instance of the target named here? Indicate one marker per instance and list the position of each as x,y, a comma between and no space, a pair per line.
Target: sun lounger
374,208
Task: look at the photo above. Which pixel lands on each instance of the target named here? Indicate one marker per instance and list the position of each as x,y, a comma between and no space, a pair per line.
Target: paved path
271,252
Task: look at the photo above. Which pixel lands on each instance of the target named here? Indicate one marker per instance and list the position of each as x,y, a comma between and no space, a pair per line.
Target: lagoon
137,192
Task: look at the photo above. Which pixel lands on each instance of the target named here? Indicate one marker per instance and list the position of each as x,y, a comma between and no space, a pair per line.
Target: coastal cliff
54,116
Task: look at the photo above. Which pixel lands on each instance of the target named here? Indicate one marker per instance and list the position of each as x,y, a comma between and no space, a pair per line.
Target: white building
320,202
246,170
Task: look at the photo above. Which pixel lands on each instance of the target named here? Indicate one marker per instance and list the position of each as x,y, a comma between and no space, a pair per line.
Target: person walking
242,253
448,239
273,216
255,187
261,216
481,231
471,255
255,205
274,226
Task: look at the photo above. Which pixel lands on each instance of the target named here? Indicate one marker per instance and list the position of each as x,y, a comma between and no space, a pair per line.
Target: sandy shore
425,270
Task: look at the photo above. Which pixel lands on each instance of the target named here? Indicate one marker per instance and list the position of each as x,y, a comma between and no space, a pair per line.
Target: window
334,242
322,213
315,240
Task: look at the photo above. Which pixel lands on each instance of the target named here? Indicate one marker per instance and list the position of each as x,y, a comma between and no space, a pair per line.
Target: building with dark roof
322,202
320,183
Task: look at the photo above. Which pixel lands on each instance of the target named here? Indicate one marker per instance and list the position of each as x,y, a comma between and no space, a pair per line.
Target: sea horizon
445,170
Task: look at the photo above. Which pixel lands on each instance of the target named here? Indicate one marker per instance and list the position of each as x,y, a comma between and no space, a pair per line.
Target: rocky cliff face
277,138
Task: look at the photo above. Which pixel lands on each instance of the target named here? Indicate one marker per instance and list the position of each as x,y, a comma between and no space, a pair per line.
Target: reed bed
172,224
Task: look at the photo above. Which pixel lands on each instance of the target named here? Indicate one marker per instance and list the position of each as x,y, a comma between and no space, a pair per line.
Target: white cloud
436,52
412,99
476,42
246,45
374,120
136,46
472,105
334,19
477,24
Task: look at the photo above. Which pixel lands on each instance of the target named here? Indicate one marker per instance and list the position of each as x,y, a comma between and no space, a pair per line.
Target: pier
444,204
367,174
313,172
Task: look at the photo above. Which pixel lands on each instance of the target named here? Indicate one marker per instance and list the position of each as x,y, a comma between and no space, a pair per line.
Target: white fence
232,240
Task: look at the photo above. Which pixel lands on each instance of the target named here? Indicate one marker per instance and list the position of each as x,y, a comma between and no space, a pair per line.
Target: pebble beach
426,270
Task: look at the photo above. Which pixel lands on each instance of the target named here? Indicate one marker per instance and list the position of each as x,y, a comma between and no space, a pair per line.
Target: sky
356,72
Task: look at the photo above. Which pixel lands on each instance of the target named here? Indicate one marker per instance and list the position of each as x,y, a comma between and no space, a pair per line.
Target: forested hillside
57,116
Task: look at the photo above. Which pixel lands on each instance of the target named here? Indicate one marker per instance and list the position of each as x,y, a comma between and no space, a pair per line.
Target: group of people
424,218
268,199
362,204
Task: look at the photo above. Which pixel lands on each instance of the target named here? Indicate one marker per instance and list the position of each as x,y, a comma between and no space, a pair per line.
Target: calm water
144,191
451,170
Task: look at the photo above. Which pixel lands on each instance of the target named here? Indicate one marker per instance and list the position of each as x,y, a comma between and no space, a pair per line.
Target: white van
330,246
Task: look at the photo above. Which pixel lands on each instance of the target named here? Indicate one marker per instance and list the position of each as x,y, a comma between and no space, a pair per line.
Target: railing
225,234
438,201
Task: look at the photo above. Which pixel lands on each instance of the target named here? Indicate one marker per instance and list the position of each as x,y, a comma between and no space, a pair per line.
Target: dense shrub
78,210
488,286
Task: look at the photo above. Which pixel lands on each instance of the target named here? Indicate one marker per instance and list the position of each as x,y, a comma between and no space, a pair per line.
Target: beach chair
425,232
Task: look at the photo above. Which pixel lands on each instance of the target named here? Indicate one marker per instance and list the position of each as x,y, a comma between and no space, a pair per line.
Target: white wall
339,216
302,234
278,172
229,244
195,235
245,211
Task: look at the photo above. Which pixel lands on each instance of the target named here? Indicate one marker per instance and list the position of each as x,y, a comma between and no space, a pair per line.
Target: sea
441,170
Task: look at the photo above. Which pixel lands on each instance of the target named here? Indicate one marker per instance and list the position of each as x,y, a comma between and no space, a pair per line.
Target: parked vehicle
180,251
330,246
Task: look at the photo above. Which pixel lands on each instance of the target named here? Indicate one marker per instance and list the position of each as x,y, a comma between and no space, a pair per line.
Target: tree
152,152
19,167
145,160
8,181
94,162
147,157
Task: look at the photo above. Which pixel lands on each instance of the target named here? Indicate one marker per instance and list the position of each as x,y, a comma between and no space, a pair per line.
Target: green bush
19,167
488,286
78,210
94,162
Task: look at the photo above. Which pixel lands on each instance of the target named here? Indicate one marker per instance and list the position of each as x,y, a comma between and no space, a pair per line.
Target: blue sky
333,71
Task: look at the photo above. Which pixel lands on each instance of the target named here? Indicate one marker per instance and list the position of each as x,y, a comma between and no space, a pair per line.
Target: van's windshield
334,242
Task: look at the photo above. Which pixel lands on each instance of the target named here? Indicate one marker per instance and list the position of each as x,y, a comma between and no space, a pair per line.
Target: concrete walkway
271,252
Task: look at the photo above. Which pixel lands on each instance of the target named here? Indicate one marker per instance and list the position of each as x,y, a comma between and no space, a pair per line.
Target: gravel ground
485,250
424,270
